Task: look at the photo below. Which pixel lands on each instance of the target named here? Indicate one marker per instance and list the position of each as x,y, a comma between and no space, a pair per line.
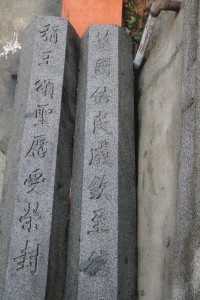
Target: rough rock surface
186,280
2,168
159,151
102,237
39,161
14,17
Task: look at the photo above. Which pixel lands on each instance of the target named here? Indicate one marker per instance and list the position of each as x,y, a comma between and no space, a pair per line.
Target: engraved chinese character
103,66
47,58
97,187
33,260
30,219
34,181
98,221
42,114
100,156
101,95
101,123
97,262
103,40
21,258
44,87
28,259
38,148
50,33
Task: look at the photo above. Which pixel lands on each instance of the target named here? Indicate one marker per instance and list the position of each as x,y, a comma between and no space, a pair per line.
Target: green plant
132,16
135,14
130,22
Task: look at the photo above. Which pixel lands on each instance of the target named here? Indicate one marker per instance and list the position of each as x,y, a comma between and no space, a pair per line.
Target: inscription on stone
102,66
101,95
49,33
42,114
101,123
102,41
28,258
103,191
47,58
40,209
97,188
38,147
95,263
44,87
31,217
98,222
100,155
35,181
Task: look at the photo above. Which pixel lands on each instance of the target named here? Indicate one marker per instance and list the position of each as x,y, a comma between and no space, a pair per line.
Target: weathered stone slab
160,121
186,273
102,235
37,180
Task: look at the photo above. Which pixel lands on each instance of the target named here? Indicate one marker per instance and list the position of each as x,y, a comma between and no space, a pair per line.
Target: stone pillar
186,279
38,172
159,110
102,235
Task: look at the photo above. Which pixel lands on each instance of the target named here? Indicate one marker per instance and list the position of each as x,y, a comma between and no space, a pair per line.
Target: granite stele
38,172
102,232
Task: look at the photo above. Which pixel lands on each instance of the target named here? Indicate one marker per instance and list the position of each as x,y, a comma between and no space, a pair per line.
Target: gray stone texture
102,232
14,18
168,187
186,280
38,172
2,168
160,121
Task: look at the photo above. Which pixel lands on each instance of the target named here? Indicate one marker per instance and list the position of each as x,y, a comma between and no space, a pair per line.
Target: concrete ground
14,17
